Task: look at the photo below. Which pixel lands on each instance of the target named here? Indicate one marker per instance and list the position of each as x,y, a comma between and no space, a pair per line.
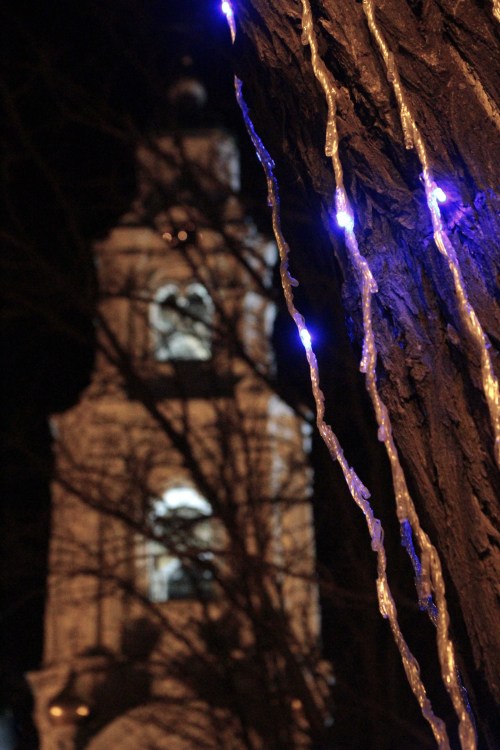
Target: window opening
182,518
182,322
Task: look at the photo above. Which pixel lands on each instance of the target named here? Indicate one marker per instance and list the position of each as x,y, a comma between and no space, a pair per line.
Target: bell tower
182,604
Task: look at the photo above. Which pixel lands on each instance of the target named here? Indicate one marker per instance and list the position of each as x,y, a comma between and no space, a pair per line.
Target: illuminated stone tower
181,595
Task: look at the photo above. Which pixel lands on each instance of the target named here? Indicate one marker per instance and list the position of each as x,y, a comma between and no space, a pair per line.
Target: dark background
79,83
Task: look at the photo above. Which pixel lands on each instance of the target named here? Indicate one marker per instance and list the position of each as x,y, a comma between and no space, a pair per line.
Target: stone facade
181,590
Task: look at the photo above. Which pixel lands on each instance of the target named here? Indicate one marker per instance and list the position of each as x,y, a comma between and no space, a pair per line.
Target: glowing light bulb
55,711
439,195
226,9
305,337
345,220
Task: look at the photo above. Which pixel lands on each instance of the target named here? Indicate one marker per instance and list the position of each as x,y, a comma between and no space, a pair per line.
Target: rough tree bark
429,372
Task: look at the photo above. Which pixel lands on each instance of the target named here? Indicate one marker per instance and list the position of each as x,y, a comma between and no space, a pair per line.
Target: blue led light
345,220
226,8
439,195
305,337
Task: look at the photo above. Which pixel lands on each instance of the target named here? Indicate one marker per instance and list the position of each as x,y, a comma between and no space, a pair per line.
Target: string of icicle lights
427,567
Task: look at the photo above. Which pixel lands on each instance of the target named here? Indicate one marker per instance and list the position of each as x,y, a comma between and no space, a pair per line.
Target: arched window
182,318
181,518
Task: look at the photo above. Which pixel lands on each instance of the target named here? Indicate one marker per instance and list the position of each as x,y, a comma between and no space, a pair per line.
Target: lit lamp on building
68,708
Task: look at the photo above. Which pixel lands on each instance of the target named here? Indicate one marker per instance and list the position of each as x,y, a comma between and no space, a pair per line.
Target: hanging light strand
413,138
358,491
471,322
405,508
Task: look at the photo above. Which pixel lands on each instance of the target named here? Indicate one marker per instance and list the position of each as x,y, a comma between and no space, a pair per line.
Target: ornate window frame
181,317
184,519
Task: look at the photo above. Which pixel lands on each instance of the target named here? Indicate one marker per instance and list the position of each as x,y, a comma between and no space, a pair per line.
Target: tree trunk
428,367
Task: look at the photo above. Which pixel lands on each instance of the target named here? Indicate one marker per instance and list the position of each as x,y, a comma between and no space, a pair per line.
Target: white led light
305,337
345,220
439,195
226,8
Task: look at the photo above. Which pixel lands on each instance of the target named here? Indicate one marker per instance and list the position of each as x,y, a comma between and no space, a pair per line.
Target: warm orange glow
55,711
83,710
182,235
167,236
296,704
